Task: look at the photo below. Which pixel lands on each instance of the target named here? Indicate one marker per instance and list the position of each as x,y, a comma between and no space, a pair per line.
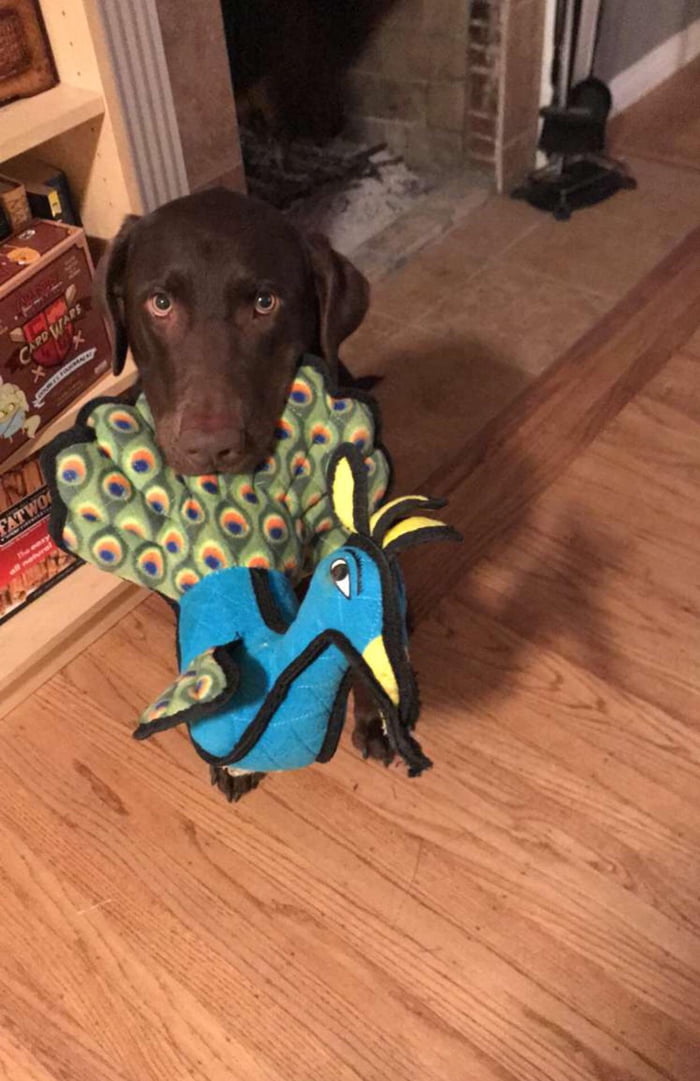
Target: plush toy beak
377,660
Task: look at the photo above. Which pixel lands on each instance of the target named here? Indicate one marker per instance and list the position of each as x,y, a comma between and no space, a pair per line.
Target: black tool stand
579,173
572,182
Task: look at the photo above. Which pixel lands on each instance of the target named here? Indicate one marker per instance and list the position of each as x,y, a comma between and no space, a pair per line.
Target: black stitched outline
273,700
47,460
401,741
336,389
200,710
336,720
422,536
174,606
266,601
399,720
360,496
398,724
409,506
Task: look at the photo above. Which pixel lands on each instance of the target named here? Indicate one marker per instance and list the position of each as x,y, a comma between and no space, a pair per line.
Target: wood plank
493,480
522,908
594,578
31,121
37,641
316,895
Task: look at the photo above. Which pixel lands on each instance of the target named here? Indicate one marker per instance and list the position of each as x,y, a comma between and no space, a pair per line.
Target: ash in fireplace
343,189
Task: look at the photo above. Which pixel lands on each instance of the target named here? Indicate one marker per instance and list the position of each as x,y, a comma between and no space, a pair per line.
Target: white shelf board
43,637
28,122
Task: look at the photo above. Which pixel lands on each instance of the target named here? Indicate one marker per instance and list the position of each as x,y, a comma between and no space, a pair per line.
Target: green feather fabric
128,512
204,683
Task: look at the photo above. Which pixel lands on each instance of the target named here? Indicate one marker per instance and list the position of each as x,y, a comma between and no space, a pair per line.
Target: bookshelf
29,122
78,127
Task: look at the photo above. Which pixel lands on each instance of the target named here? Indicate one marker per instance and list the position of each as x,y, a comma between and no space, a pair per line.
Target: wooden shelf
96,158
27,123
42,638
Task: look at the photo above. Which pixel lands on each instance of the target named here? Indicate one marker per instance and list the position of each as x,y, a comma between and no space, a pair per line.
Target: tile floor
472,318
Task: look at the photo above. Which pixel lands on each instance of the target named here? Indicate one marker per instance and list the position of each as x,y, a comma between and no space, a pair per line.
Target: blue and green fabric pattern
264,679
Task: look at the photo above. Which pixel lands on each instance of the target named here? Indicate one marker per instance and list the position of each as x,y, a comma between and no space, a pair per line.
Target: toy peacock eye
265,302
340,574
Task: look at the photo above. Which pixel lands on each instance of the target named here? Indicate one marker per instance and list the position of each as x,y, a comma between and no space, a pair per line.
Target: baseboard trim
656,66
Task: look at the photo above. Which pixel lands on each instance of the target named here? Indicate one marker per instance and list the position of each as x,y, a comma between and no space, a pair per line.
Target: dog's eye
340,574
265,302
160,304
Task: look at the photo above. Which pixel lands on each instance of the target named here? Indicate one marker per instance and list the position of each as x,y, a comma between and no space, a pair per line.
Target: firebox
324,86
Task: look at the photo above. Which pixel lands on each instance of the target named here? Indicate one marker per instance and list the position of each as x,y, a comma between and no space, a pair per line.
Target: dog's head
218,296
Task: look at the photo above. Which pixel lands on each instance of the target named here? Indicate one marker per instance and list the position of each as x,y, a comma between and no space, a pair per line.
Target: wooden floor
528,910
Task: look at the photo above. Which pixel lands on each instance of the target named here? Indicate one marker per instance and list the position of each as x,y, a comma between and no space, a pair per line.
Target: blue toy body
334,626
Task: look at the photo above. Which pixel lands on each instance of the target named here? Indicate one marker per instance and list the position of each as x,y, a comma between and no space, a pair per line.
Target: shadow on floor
435,397
549,599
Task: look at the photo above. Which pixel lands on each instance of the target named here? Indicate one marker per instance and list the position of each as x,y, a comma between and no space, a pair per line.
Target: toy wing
204,688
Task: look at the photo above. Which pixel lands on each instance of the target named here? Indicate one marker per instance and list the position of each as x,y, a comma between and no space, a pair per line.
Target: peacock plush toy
263,678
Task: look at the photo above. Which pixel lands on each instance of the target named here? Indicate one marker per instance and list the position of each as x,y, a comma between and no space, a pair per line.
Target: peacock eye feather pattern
209,522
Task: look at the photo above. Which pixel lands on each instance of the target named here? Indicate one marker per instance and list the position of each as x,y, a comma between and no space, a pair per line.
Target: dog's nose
215,449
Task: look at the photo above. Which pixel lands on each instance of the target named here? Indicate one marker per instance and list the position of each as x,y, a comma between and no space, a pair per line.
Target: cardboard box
53,342
13,199
48,194
30,563
27,65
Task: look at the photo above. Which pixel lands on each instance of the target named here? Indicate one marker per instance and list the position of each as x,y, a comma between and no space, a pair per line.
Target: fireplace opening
290,60
351,110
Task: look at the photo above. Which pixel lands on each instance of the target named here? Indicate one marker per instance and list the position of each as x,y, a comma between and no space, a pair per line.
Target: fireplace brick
448,55
445,149
483,86
442,79
407,14
389,99
445,105
405,55
482,125
447,16
411,81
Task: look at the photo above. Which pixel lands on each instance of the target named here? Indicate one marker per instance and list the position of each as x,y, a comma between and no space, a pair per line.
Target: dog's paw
369,738
233,786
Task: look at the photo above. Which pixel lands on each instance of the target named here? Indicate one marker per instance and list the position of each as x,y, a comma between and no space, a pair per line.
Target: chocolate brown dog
218,296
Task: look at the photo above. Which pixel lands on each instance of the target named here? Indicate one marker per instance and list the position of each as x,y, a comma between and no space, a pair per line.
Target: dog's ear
109,290
342,293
